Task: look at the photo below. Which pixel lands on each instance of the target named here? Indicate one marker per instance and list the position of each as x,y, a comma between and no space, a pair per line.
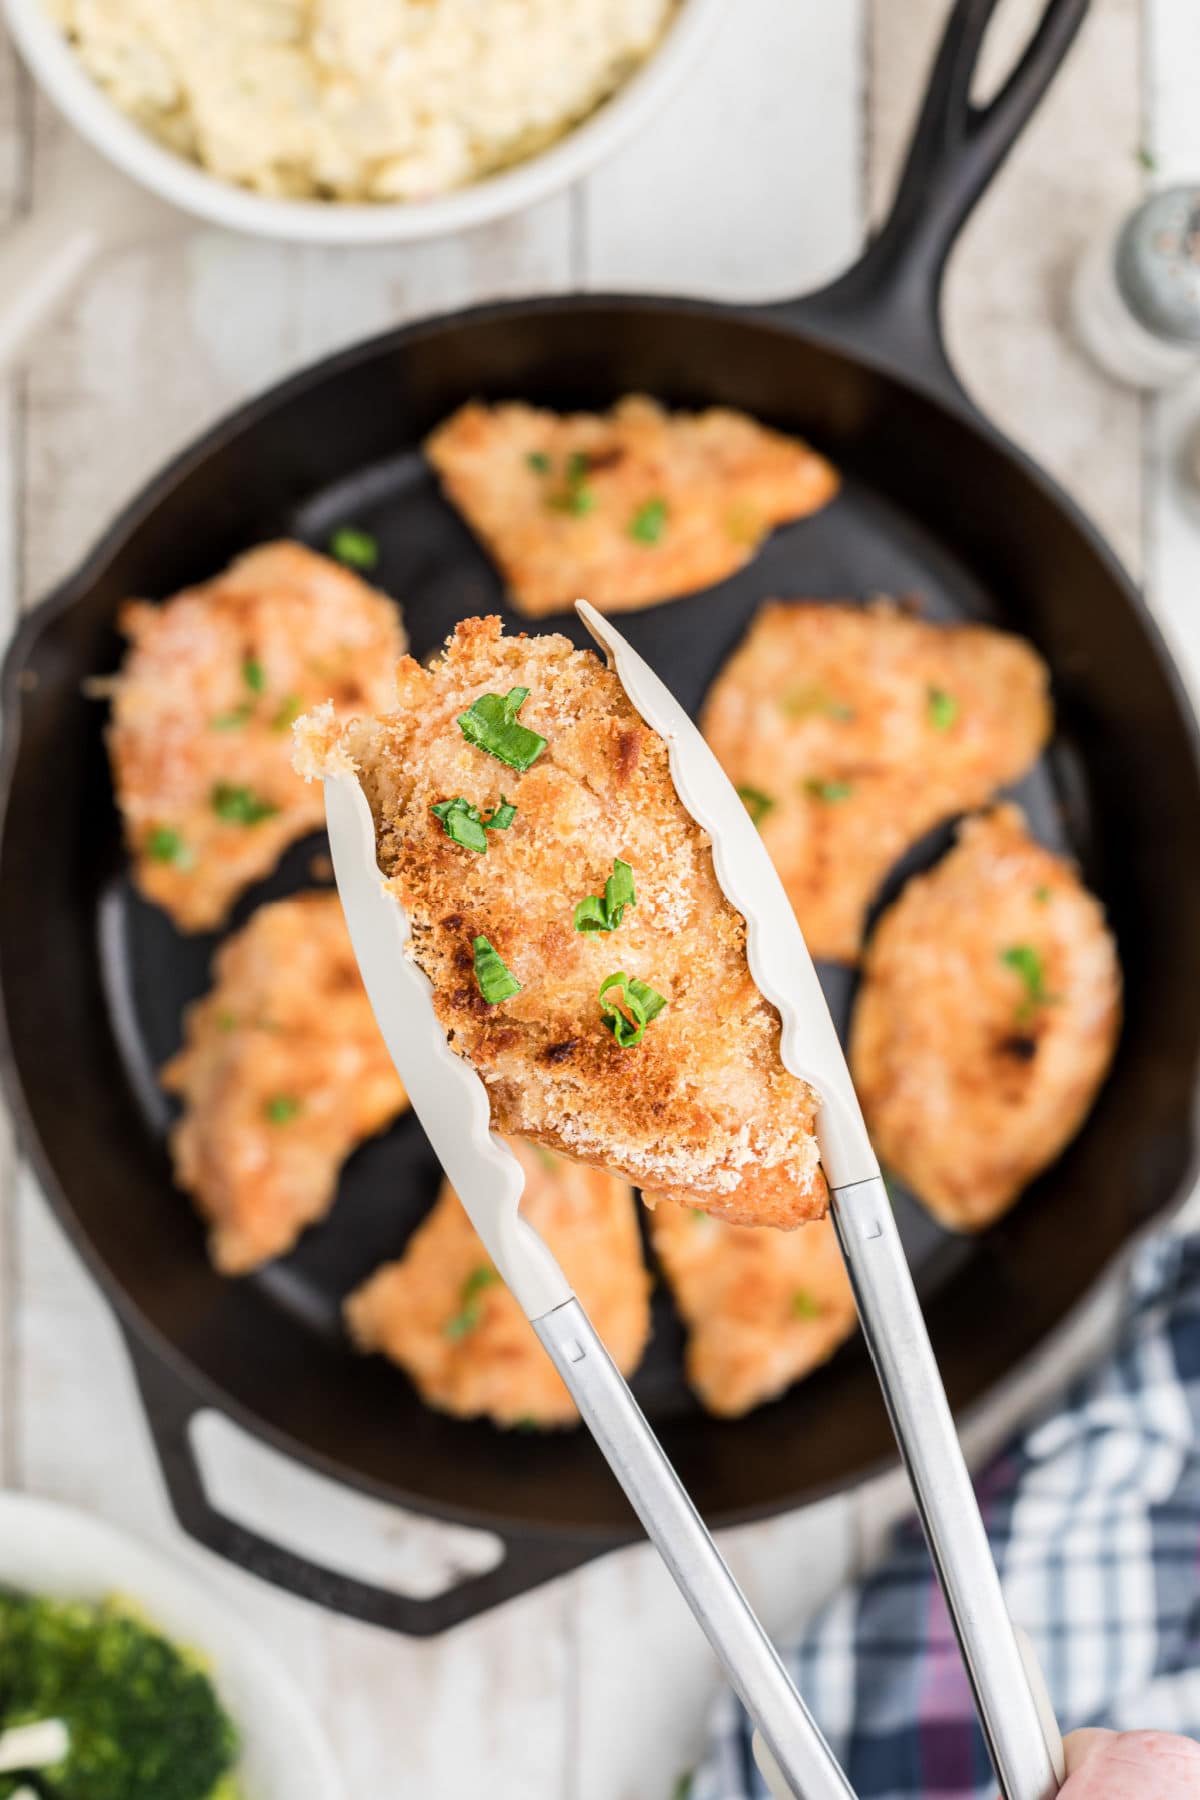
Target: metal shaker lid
1157,264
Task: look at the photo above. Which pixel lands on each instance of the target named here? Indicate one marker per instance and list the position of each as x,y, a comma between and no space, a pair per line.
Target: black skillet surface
934,503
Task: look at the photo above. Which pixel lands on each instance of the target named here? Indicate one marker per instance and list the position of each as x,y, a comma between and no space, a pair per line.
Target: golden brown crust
970,1085
467,1346
701,1110
186,719
725,481
864,727
282,1073
763,1308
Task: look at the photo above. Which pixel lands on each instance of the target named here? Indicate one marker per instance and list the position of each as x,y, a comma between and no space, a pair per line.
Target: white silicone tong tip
446,1094
775,947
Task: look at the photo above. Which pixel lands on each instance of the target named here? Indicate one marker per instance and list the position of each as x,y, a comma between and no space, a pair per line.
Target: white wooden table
756,182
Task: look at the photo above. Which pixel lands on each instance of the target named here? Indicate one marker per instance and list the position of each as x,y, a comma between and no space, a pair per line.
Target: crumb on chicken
628,507
201,733
986,1021
850,731
762,1308
442,1313
700,1109
282,1072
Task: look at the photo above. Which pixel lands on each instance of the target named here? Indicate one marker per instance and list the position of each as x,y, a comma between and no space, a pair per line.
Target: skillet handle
171,1403
887,307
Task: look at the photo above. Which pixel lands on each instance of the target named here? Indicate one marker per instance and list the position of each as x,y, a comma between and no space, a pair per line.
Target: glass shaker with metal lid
1135,301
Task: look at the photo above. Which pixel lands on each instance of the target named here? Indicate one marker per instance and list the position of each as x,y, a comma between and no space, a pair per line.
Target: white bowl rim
185,184
49,1547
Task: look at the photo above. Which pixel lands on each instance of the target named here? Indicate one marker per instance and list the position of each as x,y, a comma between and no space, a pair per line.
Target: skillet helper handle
1018,1722
887,307
171,1404
792,1754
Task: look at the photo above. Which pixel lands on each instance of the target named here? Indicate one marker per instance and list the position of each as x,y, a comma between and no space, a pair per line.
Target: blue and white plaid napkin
1094,1518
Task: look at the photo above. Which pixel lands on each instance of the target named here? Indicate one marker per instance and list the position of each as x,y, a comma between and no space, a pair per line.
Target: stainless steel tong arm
803,1760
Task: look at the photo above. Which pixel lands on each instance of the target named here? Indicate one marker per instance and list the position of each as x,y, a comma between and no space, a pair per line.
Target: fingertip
1078,1746
1132,1765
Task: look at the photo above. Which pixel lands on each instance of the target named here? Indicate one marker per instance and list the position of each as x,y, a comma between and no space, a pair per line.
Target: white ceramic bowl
171,177
46,1548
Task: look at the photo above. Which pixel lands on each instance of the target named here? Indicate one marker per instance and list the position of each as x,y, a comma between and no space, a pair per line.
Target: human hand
1131,1765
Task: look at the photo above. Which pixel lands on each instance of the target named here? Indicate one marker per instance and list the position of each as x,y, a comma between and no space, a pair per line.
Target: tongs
452,1104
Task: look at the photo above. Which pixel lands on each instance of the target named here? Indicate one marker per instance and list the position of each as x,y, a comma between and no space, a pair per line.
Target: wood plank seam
12,454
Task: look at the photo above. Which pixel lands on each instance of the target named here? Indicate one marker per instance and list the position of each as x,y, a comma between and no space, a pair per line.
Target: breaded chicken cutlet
986,1020
443,1314
850,731
582,955
762,1308
623,508
283,1071
200,739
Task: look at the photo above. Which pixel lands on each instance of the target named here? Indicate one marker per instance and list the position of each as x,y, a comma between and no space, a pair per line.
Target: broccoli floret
144,1720
228,1788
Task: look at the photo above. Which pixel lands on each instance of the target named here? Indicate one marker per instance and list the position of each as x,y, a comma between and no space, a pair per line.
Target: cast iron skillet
934,502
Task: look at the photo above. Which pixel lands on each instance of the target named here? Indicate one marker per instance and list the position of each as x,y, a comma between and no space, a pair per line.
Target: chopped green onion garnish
254,675
942,708
576,500
576,497
233,721
1027,963
804,1306
590,915
468,826
482,1277
467,1318
496,980
829,791
538,461
1042,895
289,711
605,913
225,1021
502,818
165,844
619,892
491,725
526,1423
461,823
757,804
282,1107
357,548
803,703
649,522
240,805
631,1010
546,1157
